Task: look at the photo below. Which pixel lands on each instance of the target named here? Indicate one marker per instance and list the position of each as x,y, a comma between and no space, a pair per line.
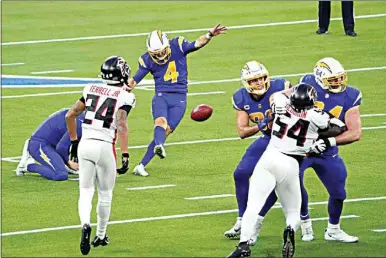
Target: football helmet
158,47
303,97
115,70
255,78
330,75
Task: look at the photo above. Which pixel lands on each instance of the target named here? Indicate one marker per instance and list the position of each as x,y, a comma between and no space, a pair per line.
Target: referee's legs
324,12
348,17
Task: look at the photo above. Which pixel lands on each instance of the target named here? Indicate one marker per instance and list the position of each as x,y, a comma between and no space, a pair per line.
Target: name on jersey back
105,91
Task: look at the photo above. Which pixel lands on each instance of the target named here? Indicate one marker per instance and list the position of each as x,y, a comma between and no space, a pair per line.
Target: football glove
263,124
278,109
125,164
74,151
322,145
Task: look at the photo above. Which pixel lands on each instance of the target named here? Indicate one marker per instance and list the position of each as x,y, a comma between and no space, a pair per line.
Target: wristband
125,155
332,141
208,35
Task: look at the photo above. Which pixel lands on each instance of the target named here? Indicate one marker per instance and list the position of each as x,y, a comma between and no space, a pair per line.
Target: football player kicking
342,101
166,60
294,130
107,106
49,145
252,103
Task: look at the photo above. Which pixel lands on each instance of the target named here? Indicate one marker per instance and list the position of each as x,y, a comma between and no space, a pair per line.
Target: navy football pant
331,170
51,163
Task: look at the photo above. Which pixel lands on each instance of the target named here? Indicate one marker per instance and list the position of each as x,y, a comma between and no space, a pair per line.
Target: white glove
318,147
279,104
322,145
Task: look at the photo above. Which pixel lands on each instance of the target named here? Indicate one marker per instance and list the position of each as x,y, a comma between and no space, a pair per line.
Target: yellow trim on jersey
141,62
287,85
180,41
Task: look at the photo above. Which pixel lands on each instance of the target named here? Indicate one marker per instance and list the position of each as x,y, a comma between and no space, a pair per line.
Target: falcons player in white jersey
107,106
294,131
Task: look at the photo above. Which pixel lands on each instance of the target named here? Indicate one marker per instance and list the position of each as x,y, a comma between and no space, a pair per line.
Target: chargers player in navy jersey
252,103
342,101
49,145
166,60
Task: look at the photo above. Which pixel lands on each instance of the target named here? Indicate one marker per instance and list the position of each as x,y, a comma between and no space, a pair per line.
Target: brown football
201,113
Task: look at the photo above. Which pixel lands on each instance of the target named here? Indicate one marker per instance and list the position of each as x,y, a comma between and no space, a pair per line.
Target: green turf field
196,169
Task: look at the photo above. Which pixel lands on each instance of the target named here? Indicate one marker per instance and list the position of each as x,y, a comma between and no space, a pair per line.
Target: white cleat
159,150
140,170
235,231
307,232
337,234
256,231
22,166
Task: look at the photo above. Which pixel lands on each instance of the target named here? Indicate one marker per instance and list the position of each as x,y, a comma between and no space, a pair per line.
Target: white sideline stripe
171,217
190,83
12,159
372,115
379,230
374,128
12,64
55,71
149,187
73,92
185,31
209,197
342,217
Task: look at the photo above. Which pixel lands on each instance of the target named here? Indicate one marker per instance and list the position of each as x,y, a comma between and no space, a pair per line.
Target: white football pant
278,171
97,164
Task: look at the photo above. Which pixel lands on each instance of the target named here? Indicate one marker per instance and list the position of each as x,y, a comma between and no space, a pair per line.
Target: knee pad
105,197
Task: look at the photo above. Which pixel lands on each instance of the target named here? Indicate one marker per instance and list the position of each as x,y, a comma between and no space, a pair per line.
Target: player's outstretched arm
354,127
215,31
243,128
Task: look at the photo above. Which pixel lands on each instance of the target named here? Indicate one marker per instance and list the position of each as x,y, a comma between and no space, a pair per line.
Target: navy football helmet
303,97
115,70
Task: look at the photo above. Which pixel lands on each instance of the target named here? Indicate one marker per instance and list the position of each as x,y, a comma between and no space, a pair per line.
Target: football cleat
97,241
351,33
159,150
289,242
307,232
140,170
85,240
24,161
337,234
235,231
242,250
321,31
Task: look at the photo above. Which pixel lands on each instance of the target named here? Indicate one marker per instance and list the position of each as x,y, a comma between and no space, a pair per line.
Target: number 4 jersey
102,104
294,132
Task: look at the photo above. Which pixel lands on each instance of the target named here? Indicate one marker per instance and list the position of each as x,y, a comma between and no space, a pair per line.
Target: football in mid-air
201,113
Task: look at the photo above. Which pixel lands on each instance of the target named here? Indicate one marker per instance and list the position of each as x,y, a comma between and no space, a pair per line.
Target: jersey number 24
107,106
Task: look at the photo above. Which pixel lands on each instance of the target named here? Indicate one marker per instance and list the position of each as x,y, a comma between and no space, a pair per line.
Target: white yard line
342,217
17,158
248,26
149,187
12,64
379,230
173,217
55,71
146,87
205,93
209,197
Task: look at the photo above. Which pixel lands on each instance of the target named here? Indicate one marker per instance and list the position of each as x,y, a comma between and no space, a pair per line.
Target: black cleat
289,242
97,241
321,31
351,33
242,250
85,240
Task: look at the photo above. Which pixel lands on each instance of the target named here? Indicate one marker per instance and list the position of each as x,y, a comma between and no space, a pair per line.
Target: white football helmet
255,78
330,75
158,46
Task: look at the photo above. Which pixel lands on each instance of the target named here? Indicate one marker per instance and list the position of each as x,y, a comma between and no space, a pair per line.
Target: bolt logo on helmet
158,47
330,75
115,70
303,97
255,78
